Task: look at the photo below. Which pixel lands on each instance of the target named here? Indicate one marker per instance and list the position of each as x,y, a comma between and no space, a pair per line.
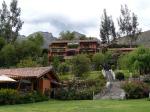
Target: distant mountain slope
48,38
143,39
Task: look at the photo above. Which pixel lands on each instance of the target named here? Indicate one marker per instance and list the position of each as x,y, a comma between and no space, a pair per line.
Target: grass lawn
125,72
81,106
90,75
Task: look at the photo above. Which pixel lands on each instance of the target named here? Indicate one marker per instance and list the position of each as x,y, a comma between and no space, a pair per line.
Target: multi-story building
66,49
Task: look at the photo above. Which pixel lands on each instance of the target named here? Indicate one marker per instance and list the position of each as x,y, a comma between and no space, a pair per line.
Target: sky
76,15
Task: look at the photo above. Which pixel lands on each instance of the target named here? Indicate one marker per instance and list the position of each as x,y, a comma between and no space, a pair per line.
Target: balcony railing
58,50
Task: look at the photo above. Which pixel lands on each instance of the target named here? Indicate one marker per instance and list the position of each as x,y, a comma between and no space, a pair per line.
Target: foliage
20,52
29,48
80,65
32,97
11,96
120,76
2,42
107,28
73,46
55,63
28,62
128,24
99,59
44,60
8,55
80,90
67,35
63,68
114,45
10,22
136,61
8,96
136,89
113,67
126,73
38,39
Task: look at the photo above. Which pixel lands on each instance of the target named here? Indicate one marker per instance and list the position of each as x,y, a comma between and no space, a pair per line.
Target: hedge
11,96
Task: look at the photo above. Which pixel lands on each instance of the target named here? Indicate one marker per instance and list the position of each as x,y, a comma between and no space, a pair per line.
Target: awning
4,78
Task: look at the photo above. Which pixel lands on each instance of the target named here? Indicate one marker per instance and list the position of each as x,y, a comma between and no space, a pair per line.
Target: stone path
112,89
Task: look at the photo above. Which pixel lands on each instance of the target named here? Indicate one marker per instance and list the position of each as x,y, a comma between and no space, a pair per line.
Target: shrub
136,89
11,96
113,67
80,65
120,76
32,97
80,90
63,68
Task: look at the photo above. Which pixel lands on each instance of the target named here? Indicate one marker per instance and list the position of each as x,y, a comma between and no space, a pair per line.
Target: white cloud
79,15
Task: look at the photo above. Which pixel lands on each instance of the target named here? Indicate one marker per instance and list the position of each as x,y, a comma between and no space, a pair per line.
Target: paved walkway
112,90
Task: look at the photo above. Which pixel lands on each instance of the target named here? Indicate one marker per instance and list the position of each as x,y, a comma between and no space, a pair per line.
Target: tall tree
107,28
128,24
113,31
10,22
67,35
80,65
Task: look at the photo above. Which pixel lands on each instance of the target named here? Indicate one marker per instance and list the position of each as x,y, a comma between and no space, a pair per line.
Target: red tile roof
66,41
35,72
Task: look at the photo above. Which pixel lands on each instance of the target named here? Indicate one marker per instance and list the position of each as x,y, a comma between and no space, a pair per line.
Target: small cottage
28,79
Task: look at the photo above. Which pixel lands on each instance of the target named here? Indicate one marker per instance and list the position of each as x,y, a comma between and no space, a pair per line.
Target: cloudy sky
76,15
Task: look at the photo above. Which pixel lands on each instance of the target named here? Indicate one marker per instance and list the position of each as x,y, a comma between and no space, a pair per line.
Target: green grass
90,75
81,106
94,74
126,72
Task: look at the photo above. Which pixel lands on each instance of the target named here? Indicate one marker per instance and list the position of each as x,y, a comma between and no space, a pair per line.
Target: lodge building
67,49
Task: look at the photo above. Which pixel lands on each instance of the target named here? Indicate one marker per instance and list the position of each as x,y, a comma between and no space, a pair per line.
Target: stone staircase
112,90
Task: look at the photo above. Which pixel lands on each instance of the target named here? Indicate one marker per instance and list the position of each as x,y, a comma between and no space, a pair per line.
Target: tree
28,62
32,47
44,60
67,35
55,63
10,22
137,61
63,68
80,65
113,32
99,59
2,43
38,39
107,28
8,53
128,24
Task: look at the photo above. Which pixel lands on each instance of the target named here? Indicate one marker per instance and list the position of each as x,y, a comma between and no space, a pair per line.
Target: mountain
143,39
48,38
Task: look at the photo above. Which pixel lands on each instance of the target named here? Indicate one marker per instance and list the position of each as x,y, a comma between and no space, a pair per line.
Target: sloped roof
35,72
66,41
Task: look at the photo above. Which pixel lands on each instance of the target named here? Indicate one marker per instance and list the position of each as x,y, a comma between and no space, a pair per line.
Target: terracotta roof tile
25,72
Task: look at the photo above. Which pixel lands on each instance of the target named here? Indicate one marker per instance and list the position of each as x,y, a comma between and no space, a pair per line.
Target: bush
136,89
33,97
80,65
80,90
11,96
113,67
63,68
120,76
